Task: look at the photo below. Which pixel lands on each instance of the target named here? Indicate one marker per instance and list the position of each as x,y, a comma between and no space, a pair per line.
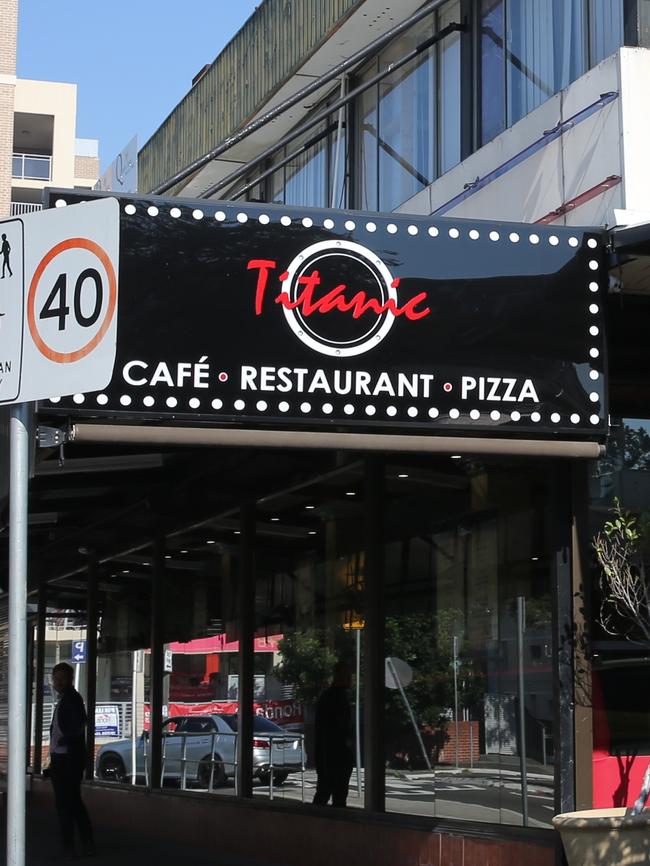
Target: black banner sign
269,315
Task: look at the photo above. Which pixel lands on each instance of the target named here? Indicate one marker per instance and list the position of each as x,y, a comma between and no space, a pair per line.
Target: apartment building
38,144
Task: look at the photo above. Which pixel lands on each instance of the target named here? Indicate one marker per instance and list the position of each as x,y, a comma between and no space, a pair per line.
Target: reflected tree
425,642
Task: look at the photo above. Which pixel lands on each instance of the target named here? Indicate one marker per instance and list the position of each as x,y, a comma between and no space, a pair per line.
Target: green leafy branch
625,606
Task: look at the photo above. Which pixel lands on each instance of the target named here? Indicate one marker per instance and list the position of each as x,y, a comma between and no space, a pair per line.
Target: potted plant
616,836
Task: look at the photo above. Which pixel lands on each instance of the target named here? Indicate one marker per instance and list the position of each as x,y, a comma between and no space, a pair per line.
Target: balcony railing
20,207
31,166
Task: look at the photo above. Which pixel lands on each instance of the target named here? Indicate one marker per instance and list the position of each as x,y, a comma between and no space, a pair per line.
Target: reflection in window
449,89
367,136
532,49
620,667
544,51
408,126
309,591
606,28
463,561
305,176
405,136
624,470
311,177
123,679
493,87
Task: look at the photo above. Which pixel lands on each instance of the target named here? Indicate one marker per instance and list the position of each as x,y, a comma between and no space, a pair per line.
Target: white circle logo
356,300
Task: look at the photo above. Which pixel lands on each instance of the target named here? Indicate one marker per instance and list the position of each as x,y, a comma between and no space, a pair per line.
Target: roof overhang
371,20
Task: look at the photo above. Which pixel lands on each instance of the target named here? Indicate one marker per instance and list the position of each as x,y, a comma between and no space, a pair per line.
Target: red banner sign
283,712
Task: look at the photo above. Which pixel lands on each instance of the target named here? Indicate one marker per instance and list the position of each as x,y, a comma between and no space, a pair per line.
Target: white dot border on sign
369,410
392,228
411,230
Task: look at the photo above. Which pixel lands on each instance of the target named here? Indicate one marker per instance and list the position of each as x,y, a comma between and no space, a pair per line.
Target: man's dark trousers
333,782
66,774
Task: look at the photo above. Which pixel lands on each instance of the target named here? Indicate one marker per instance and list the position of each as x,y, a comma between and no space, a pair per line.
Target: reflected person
333,740
67,759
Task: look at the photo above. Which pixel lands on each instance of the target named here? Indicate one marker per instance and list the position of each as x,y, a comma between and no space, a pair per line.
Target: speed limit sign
58,309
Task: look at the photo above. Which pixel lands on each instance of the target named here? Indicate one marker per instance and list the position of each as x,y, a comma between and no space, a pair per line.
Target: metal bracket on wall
51,437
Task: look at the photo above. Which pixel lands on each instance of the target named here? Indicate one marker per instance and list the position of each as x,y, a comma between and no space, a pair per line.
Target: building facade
38,144
454,576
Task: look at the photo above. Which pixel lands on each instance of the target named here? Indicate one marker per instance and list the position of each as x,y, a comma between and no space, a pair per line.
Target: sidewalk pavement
112,849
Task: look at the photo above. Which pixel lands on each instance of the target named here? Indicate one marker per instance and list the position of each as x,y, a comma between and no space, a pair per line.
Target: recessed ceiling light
402,475
312,532
310,507
274,519
210,541
350,493
456,456
126,571
145,563
535,558
237,532
168,556
183,551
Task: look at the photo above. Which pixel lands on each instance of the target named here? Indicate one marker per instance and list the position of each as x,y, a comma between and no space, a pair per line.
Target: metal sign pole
357,712
17,710
521,628
456,721
134,718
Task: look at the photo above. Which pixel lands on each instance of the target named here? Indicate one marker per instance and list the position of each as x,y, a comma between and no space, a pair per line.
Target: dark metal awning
632,240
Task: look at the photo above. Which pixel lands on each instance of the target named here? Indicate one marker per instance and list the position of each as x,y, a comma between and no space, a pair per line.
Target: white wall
59,100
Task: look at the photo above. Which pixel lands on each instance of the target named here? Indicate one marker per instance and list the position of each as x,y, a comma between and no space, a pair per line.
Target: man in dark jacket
67,759
333,740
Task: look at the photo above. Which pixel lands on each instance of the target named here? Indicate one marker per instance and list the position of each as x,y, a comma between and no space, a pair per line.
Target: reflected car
199,736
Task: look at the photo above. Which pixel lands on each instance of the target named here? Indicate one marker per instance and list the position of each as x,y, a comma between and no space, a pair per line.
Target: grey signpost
58,336
17,730
521,694
398,675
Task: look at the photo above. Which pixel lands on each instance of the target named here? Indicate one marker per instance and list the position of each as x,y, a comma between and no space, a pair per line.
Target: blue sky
133,60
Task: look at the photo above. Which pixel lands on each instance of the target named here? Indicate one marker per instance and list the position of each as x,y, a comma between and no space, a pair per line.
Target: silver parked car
189,743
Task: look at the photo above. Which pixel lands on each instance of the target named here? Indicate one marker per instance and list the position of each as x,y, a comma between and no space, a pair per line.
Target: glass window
309,591
493,80
606,30
544,51
261,725
123,717
276,181
305,176
532,49
468,615
406,133
621,667
449,89
367,132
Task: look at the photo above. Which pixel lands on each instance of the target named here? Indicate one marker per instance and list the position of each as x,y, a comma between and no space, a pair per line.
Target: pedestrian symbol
5,249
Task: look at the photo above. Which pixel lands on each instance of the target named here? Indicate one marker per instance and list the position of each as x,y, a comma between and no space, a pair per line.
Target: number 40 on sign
58,308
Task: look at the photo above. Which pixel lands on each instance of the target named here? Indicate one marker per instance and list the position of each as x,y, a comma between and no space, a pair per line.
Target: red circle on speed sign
71,244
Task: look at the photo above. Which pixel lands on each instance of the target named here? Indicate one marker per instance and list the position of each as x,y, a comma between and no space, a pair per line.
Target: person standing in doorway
67,759
333,740
5,249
